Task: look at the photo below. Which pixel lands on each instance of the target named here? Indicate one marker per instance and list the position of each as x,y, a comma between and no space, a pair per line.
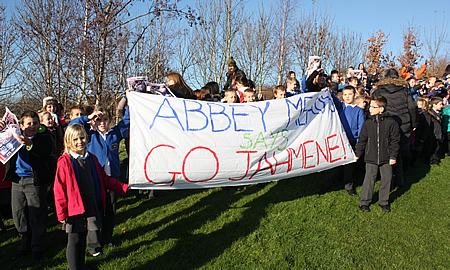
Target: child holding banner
30,171
352,119
104,144
379,139
80,185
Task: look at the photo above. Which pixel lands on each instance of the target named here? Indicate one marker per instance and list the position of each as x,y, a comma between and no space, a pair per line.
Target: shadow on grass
192,249
411,176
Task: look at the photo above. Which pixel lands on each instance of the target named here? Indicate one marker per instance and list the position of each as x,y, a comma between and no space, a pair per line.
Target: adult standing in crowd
402,108
233,70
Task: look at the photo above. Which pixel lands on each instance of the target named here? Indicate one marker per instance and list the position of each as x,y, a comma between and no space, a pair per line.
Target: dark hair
26,114
434,100
103,110
213,87
240,78
334,72
353,78
251,84
290,73
380,101
390,73
88,110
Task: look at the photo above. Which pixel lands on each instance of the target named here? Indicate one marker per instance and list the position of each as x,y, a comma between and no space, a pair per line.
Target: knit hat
231,62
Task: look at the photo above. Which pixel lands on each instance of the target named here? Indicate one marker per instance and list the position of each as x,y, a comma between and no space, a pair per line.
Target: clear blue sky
366,17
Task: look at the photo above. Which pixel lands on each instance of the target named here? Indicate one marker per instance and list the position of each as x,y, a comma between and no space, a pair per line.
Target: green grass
283,225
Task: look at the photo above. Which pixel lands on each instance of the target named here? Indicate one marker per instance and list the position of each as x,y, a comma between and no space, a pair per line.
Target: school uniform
80,200
106,149
30,171
379,142
352,119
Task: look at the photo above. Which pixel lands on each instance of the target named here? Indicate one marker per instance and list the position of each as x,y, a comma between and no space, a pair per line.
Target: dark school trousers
369,184
29,211
109,217
76,247
336,173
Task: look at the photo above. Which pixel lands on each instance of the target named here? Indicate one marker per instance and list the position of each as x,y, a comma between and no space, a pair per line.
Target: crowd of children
72,167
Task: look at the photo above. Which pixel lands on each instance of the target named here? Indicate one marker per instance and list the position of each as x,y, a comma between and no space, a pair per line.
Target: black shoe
37,256
386,208
21,253
351,192
364,208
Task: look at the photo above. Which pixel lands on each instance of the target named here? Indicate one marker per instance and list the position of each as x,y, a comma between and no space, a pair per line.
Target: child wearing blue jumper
352,119
104,144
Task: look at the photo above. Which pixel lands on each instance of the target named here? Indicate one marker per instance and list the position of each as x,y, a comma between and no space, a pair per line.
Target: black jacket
41,160
400,105
434,122
230,76
379,139
310,85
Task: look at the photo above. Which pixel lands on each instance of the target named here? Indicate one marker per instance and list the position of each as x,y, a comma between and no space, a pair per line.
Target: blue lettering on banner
220,118
263,113
220,113
175,115
234,114
198,110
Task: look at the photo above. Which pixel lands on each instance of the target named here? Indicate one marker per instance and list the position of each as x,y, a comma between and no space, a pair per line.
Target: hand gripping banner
184,144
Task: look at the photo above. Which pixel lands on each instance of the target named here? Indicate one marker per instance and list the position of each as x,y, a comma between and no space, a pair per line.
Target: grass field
283,225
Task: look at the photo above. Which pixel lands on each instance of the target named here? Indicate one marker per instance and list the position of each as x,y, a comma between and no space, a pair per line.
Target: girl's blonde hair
71,132
42,114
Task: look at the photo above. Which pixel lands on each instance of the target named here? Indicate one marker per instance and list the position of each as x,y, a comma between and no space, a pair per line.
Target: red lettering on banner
184,164
278,164
343,146
171,182
331,149
319,150
248,163
305,157
259,165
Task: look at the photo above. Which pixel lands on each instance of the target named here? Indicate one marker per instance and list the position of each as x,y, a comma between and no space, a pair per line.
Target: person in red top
408,72
80,195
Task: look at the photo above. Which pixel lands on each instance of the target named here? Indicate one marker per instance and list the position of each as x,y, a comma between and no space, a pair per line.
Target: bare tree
254,49
213,39
10,56
282,38
313,35
436,41
47,29
345,50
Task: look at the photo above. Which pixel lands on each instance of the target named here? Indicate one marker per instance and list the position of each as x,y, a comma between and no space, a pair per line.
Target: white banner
183,144
9,145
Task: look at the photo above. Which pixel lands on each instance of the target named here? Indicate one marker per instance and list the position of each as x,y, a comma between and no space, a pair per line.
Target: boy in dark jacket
30,171
379,139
